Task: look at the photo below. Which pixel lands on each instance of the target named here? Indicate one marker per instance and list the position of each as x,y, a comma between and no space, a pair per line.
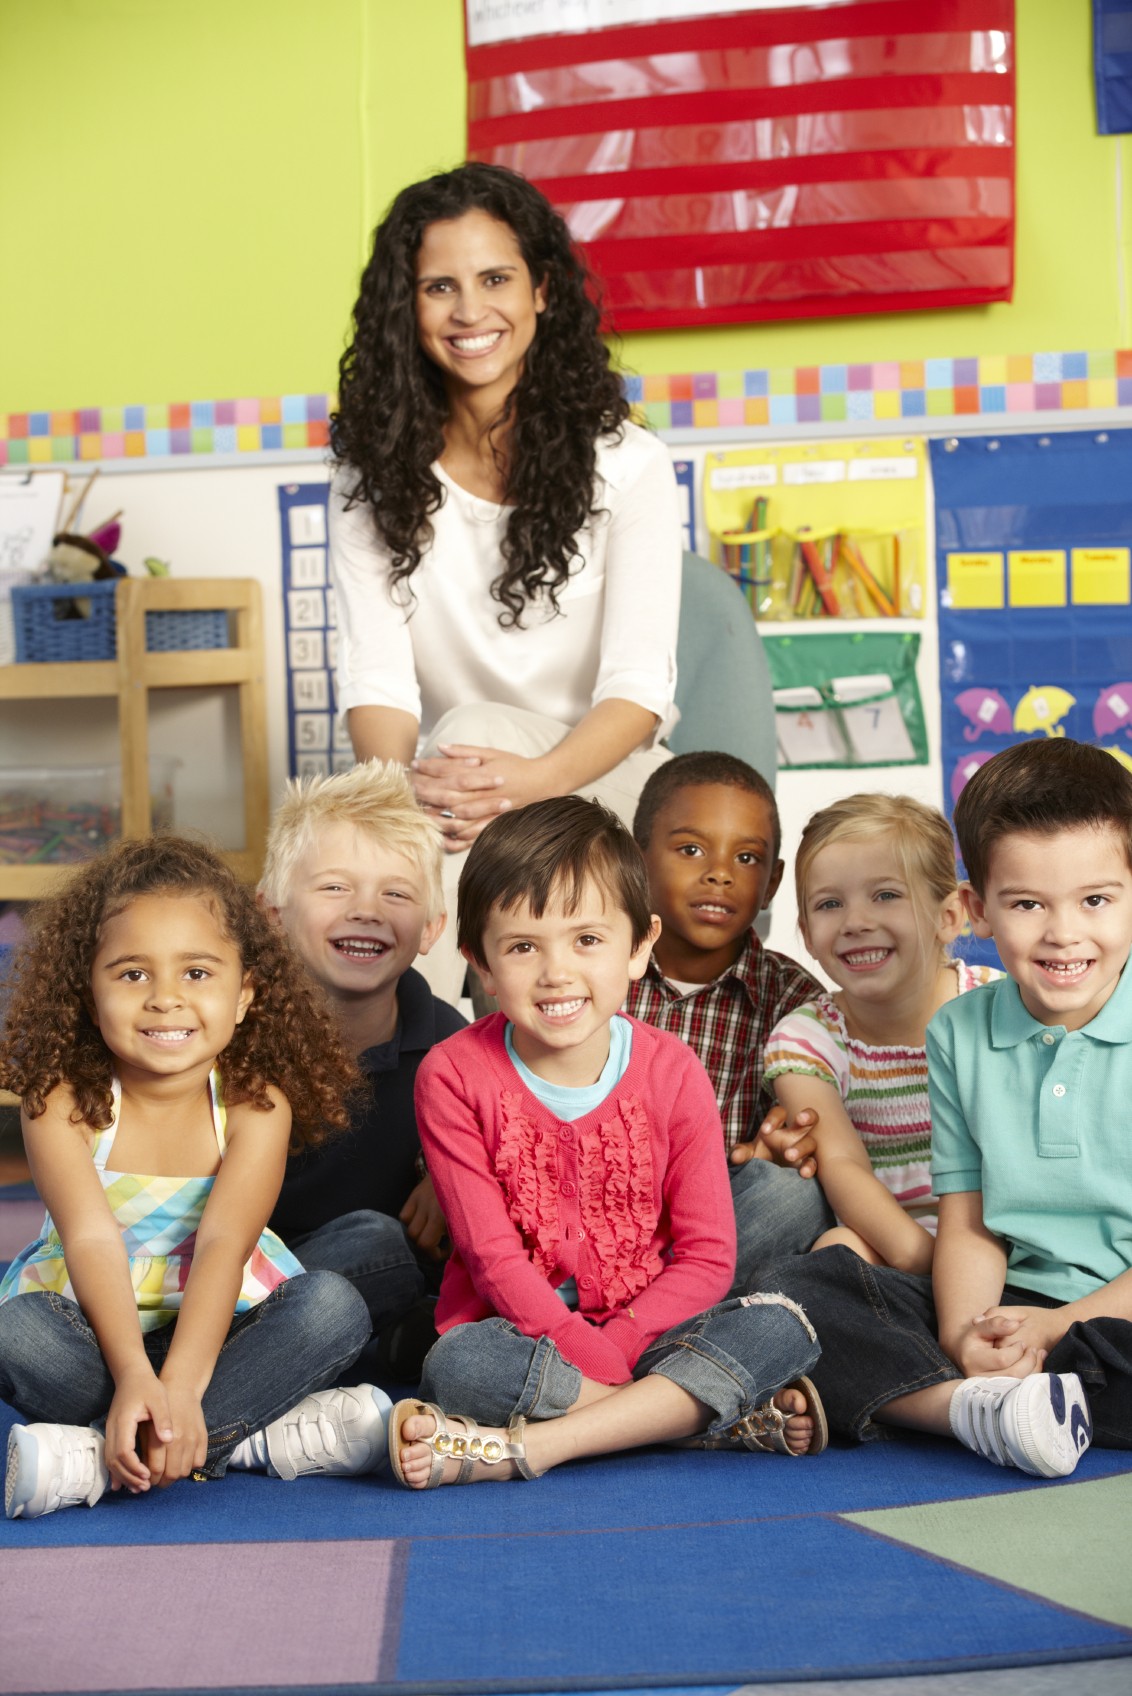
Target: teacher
505,545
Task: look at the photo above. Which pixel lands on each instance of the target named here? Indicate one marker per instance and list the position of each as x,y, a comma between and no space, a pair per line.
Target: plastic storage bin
59,815
68,621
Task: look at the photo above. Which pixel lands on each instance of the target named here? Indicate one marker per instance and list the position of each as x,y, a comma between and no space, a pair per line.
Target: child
878,904
578,1159
1030,1083
352,874
708,827
166,1049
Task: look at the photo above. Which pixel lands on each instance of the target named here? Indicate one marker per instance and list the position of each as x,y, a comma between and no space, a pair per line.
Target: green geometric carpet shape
1068,1543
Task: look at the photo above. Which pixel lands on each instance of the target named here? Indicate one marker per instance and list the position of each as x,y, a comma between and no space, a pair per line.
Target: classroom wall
190,191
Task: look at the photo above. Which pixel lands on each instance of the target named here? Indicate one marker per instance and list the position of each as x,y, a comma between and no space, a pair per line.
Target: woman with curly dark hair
167,1048
505,544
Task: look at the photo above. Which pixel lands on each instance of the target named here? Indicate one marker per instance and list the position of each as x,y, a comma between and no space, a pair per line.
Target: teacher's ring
447,813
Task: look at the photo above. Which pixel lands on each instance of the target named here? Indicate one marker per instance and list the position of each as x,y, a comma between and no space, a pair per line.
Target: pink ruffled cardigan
633,1201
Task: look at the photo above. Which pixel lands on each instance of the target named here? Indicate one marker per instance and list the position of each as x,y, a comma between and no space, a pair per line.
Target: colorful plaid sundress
158,1218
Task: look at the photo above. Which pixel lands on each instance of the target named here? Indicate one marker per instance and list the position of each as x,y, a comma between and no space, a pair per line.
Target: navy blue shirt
374,1164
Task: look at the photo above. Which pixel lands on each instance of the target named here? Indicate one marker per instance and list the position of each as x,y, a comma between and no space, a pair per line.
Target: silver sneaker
53,1466
333,1432
1039,1424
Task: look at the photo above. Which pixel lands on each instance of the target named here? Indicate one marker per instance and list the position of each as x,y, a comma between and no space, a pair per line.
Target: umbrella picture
1121,755
986,710
965,770
1113,711
1042,708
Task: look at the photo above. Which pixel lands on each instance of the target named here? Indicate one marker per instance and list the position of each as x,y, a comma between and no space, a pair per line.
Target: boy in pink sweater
578,1159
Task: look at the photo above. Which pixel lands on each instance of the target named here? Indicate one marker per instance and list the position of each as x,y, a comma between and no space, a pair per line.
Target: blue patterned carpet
659,1570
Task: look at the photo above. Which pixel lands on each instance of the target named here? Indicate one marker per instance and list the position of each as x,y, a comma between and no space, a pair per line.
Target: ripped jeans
734,1358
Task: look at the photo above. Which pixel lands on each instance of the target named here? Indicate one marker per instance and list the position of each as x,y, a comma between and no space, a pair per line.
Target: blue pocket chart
1033,559
1112,65
316,743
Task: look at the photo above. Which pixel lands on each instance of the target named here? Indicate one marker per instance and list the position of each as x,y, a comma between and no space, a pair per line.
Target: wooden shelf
132,675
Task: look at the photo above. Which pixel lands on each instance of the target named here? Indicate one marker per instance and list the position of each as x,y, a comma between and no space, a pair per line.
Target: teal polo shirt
1039,1119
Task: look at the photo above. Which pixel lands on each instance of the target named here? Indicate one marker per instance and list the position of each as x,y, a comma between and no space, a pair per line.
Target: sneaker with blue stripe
1039,1424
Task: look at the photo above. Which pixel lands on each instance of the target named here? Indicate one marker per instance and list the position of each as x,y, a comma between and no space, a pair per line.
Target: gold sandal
765,1428
467,1446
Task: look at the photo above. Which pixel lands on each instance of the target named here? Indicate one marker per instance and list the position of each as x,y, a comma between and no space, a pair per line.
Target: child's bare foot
428,1448
798,1431
793,1422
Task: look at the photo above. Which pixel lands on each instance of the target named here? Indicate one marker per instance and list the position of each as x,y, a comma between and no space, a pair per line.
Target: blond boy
352,874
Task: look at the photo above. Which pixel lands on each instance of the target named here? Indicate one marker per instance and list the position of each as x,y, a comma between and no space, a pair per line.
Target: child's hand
785,1143
423,1220
981,1355
175,1456
1039,1328
139,1402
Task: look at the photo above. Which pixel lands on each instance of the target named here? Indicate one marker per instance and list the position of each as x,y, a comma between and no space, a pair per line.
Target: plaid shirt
727,1024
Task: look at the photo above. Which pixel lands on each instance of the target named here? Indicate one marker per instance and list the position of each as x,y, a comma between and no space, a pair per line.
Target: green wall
186,192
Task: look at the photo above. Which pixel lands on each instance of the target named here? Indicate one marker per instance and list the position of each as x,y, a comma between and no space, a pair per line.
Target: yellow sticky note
976,580
1101,577
1037,579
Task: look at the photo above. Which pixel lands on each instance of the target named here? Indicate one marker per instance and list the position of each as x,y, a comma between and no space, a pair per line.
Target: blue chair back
723,686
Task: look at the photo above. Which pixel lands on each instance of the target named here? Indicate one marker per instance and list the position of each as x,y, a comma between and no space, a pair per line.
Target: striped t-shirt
885,1089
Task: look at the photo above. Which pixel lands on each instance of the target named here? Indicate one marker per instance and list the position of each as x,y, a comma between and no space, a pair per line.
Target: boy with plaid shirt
708,827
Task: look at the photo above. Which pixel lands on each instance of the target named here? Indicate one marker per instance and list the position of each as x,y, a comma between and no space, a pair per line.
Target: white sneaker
1039,1424
333,1432
53,1466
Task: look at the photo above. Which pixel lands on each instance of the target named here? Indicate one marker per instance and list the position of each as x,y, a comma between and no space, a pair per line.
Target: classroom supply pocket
847,700
821,530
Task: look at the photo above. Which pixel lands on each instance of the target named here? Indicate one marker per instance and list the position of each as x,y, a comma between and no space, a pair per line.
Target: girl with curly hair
505,545
167,1050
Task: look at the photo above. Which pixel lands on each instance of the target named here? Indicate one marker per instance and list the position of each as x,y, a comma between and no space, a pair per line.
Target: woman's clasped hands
465,787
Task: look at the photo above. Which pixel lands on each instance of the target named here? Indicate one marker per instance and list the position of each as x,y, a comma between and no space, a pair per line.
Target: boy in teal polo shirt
1031,1083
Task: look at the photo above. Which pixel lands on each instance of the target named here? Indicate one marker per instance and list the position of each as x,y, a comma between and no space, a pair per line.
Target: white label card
743,476
308,568
311,691
815,471
306,650
306,607
307,526
892,469
312,732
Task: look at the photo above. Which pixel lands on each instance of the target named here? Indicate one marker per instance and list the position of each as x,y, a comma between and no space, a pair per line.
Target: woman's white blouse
436,641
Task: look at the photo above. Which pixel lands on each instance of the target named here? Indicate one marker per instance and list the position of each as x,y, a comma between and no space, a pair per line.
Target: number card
872,720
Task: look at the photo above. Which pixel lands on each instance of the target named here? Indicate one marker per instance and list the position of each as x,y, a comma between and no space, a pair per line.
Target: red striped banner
786,162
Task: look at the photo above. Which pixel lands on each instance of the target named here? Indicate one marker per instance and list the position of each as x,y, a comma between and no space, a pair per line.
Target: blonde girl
878,906
167,1051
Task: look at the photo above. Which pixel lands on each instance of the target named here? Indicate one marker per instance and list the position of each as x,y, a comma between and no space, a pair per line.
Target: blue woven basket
47,628
60,621
186,629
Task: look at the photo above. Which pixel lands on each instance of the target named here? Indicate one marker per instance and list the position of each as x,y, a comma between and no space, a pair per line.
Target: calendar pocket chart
1033,551
317,743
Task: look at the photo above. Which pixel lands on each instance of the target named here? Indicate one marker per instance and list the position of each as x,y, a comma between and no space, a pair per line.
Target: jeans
296,1340
374,1253
733,1357
877,1328
777,1213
